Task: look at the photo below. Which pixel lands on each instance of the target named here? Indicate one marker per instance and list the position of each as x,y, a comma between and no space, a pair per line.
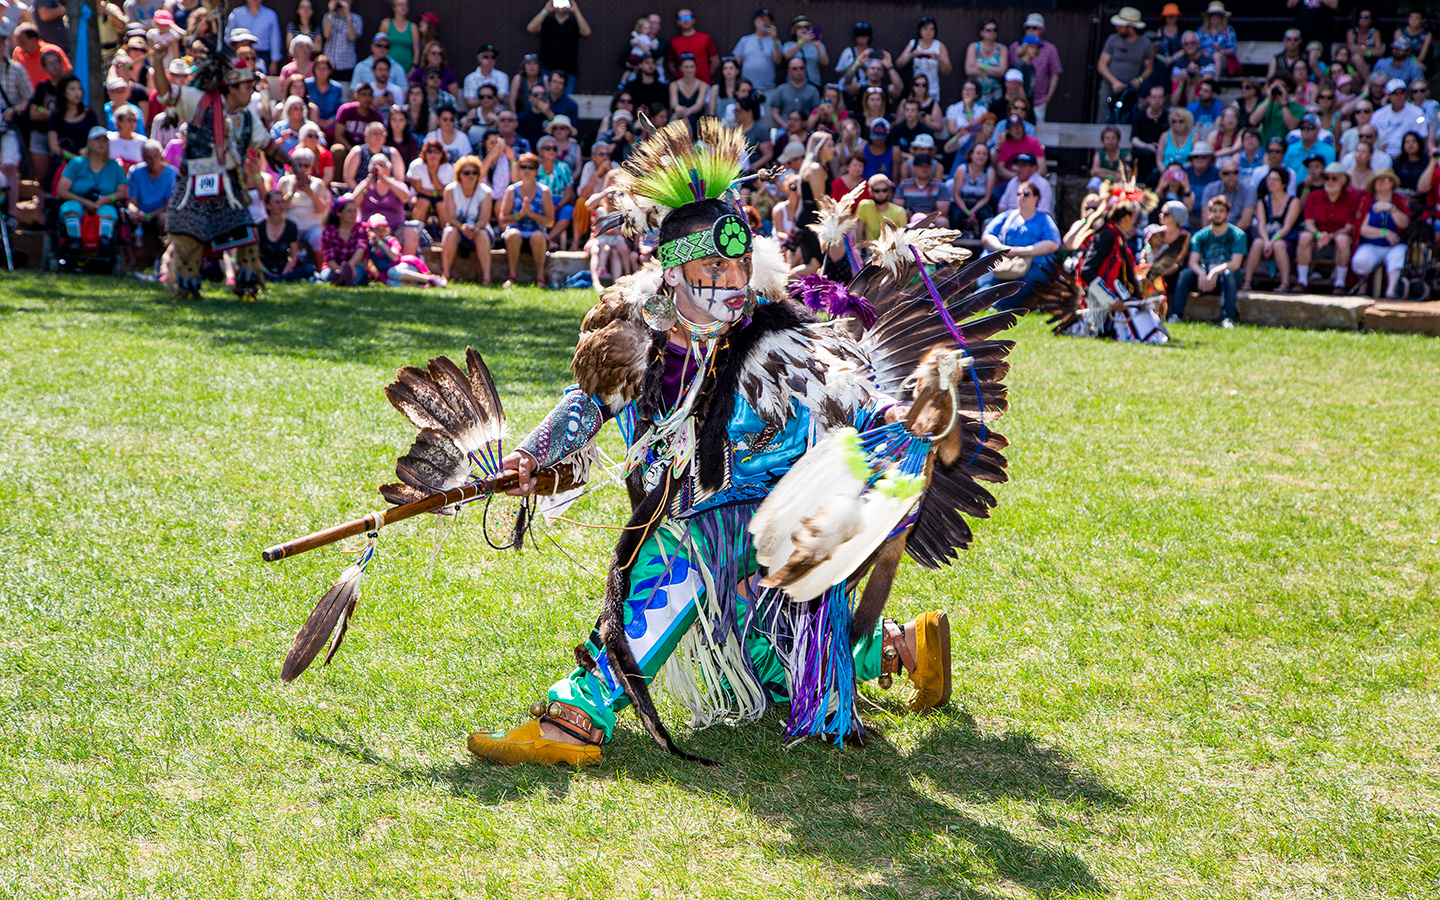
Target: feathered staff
454,460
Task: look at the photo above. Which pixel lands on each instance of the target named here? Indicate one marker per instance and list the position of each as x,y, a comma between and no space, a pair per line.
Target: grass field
1196,647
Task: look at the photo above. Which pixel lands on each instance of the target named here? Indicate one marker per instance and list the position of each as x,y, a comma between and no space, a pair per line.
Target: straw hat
1128,15
1383,173
1217,7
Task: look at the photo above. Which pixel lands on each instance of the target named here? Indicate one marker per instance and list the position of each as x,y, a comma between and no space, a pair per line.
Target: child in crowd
642,44
410,268
383,251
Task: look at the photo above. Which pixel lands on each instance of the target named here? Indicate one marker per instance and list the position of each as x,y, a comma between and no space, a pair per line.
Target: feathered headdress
667,172
1119,190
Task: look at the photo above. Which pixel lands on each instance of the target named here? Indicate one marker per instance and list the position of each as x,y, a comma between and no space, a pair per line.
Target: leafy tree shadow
889,815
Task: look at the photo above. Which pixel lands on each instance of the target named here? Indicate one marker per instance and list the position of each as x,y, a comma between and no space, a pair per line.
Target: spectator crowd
396,147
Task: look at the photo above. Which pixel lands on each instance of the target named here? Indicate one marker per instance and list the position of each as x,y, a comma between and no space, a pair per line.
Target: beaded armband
572,424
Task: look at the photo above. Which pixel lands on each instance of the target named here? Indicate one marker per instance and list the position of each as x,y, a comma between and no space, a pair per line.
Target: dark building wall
466,25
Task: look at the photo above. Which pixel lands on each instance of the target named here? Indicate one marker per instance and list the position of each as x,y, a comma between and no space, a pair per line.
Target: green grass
1196,647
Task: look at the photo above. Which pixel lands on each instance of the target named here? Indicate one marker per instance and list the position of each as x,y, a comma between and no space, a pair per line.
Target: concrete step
1404,317
1315,311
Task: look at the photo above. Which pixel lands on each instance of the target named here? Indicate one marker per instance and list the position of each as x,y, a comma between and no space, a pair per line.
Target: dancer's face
713,289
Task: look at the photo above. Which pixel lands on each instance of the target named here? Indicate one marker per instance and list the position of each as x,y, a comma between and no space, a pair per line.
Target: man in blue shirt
1023,232
1398,64
1216,254
1206,107
1308,143
1200,173
261,21
151,184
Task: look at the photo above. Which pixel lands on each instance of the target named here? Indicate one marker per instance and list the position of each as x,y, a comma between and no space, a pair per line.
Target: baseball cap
97,132
1399,42
1026,158
433,19
792,150
762,11
379,37
1310,119
1394,84
1015,119
1029,40
487,48
879,128
1014,75
1034,20
1336,168
164,17
621,114
1276,142
923,142
378,220
1315,157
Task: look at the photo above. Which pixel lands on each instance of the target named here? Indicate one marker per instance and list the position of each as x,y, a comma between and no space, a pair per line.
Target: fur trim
769,275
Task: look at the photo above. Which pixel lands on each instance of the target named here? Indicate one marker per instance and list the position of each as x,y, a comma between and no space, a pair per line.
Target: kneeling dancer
719,384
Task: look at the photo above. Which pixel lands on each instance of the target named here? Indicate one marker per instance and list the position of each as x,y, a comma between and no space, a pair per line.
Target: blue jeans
1185,285
1039,271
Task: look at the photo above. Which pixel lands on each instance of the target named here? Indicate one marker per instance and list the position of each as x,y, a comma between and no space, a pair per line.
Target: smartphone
562,4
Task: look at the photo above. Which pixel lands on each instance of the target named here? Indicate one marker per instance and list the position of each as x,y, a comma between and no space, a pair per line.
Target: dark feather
340,632
318,627
482,385
455,387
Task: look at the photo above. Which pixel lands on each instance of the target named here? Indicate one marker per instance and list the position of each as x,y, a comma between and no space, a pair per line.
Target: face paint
716,288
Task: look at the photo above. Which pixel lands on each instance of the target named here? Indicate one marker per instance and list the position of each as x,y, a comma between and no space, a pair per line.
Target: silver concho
659,311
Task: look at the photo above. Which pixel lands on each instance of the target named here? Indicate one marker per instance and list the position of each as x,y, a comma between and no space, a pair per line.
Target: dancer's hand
523,463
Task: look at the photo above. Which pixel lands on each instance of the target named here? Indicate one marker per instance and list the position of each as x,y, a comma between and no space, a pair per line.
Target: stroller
1419,252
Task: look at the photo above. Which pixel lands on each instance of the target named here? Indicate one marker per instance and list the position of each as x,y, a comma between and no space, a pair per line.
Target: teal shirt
85,180
1216,248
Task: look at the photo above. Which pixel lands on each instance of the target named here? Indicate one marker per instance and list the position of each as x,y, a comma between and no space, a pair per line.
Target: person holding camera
759,53
1126,60
1277,115
341,29
561,25
806,45
1189,69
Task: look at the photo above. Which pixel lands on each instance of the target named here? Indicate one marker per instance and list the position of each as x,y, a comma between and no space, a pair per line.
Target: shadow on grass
889,816
362,325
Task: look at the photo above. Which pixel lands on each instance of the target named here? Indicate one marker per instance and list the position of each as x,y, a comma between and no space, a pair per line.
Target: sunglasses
550,149
487,56
874,191
528,166
1327,96
487,96
1026,194
465,172
987,28
1334,177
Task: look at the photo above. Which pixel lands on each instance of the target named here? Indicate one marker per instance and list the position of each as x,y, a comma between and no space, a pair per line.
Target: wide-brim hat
1169,9
1034,20
796,22
1382,173
1128,15
1216,8
243,36
557,122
